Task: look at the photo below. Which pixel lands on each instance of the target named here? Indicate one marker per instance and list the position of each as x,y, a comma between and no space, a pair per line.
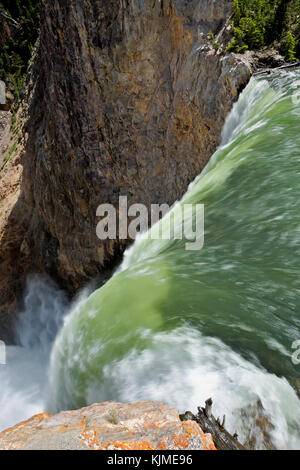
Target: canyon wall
8,27
129,98
108,426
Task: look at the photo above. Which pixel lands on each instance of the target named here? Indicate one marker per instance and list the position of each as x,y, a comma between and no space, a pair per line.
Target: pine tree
261,22
16,53
290,47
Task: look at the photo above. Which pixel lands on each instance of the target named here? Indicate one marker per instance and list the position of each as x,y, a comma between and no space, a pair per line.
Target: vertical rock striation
130,99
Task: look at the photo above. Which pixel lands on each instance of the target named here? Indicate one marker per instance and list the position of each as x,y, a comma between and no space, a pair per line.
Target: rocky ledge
108,426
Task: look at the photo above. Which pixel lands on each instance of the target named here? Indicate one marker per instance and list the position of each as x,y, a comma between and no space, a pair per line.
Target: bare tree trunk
223,439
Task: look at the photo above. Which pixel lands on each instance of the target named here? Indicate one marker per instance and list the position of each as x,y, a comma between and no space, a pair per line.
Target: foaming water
184,368
181,326
23,378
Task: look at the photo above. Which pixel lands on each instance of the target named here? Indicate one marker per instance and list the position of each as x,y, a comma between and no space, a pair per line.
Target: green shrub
17,51
213,41
289,47
258,23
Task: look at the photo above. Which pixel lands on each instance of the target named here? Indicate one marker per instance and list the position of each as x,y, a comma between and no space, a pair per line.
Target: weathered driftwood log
223,439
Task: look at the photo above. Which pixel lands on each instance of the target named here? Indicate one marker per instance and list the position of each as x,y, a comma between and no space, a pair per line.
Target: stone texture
108,426
130,99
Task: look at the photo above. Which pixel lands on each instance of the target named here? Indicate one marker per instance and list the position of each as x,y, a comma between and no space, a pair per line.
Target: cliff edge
129,98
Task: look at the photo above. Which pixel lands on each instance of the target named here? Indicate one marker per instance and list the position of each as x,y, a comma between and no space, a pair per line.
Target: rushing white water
23,383
182,327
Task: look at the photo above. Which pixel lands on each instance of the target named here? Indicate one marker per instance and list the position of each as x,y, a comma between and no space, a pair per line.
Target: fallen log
223,440
8,27
276,69
9,20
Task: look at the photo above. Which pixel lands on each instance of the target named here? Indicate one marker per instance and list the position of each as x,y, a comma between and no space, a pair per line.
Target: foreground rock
108,426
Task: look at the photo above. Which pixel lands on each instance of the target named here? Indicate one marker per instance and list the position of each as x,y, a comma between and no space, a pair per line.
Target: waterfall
182,326
23,379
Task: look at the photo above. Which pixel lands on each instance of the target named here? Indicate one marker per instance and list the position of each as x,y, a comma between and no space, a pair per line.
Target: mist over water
182,326
23,380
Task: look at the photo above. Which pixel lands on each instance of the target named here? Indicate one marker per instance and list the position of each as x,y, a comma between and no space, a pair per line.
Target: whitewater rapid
182,327
23,379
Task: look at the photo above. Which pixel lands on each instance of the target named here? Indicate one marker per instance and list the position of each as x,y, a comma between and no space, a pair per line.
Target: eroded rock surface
108,426
130,99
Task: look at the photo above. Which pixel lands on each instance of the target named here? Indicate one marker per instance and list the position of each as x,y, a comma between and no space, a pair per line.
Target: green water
180,326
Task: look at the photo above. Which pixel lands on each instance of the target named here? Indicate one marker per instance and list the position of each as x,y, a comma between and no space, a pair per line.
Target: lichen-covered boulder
108,426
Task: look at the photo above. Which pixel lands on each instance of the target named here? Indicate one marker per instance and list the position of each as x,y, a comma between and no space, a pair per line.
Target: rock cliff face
130,99
108,426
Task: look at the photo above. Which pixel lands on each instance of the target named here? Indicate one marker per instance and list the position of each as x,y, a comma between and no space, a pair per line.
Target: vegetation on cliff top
258,23
17,51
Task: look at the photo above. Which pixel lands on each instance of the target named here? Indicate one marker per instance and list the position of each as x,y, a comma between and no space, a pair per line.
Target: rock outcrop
108,426
130,99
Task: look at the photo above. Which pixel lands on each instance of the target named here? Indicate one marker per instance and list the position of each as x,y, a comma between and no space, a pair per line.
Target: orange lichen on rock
109,426
126,445
11,437
36,418
188,438
151,425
